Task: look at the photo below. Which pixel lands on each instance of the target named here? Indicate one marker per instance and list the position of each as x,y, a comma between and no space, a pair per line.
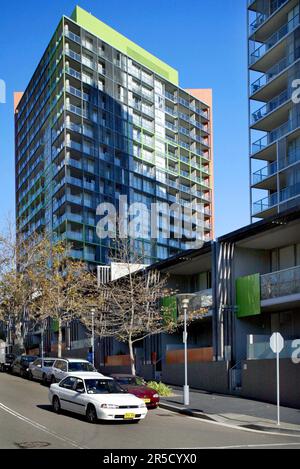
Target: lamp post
93,335
184,304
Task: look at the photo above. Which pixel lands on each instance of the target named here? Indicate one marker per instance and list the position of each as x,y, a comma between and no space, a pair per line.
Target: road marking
266,445
233,427
39,426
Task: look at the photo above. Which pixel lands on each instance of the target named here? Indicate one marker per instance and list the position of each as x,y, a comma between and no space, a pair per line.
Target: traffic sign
277,342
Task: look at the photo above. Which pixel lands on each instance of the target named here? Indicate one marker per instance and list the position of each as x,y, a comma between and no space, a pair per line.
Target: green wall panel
248,296
121,43
169,306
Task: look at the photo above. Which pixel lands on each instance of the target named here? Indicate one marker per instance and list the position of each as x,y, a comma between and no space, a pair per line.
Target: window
61,365
68,383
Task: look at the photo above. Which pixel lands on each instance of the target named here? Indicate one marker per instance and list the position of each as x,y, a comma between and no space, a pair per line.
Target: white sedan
97,397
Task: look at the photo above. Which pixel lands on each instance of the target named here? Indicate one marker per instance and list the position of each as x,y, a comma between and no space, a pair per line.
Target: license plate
129,416
147,401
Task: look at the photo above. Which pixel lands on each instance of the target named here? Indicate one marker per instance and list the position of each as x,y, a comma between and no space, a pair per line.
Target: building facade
274,72
100,118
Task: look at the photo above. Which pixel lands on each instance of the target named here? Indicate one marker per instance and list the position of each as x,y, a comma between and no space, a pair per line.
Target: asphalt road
27,420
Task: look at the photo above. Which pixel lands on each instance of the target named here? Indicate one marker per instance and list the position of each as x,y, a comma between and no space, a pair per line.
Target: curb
188,412
203,416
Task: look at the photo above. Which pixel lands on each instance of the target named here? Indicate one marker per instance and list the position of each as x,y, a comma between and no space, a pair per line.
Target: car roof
90,375
119,375
73,360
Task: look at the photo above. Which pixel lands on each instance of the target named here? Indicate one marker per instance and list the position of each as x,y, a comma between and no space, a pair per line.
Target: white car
40,368
97,397
62,367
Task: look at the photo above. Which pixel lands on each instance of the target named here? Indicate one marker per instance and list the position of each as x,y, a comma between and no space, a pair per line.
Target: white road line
233,427
266,445
39,426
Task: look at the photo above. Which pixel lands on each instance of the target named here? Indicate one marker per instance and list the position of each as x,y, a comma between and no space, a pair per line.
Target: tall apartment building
274,53
102,117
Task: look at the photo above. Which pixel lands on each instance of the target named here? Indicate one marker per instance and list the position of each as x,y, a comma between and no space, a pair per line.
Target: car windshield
130,380
101,386
126,380
81,366
48,362
29,359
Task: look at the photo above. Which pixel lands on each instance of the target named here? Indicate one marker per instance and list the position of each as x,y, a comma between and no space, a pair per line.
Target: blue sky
204,39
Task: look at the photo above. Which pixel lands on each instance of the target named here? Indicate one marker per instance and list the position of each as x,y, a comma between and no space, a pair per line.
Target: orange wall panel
176,357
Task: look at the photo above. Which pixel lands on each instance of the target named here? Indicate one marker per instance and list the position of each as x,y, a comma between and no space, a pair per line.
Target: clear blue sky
204,39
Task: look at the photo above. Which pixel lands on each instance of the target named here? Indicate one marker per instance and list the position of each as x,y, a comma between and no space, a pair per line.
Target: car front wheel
56,405
91,414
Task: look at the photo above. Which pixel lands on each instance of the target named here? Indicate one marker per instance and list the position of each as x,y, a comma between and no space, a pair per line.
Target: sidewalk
234,410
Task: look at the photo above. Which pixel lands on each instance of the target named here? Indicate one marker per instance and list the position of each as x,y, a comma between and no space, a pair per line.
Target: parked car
40,368
8,362
97,397
21,364
62,367
138,386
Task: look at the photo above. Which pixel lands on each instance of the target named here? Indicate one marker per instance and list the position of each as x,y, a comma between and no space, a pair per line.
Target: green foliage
162,389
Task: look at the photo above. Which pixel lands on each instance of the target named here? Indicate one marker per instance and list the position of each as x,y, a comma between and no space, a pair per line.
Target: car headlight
156,396
143,405
109,406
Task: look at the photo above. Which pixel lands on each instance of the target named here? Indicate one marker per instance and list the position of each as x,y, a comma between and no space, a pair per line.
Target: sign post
277,345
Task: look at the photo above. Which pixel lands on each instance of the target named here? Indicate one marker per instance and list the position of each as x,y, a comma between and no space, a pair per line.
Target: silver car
40,368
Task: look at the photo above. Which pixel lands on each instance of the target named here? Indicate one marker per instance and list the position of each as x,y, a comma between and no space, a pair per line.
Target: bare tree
130,308
61,288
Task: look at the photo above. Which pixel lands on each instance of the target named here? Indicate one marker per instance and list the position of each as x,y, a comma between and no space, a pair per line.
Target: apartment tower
100,118
274,68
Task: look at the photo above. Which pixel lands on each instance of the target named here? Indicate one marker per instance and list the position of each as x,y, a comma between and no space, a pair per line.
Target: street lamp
184,300
93,335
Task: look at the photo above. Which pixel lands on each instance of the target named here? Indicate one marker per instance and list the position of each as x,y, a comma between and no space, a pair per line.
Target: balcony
280,284
273,200
268,108
272,73
276,134
265,204
274,39
264,173
262,18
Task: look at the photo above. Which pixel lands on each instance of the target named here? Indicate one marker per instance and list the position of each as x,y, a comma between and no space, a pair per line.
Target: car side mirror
79,389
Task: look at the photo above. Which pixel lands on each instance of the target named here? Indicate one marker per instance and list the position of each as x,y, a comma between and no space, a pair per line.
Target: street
27,420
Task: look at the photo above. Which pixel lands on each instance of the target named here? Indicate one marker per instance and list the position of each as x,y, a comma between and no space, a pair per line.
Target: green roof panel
121,43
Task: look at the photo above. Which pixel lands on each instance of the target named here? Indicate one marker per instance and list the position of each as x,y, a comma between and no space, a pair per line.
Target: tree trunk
59,343
132,363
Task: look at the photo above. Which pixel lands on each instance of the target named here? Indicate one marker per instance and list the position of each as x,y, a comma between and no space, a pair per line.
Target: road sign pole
277,345
278,389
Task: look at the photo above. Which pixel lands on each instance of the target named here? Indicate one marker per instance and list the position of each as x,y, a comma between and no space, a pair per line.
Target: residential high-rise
274,73
100,118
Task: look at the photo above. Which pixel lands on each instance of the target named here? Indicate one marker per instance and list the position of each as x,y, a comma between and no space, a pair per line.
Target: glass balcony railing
278,197
276,134
270,107
262,17
282,283
274,71
264,173
258,347
265,204
274,39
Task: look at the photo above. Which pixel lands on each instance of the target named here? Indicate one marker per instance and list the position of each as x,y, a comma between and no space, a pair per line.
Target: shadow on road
48,408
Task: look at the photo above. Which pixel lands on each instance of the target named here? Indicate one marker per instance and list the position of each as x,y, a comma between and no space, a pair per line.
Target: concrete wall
259,381
206,376
146,371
